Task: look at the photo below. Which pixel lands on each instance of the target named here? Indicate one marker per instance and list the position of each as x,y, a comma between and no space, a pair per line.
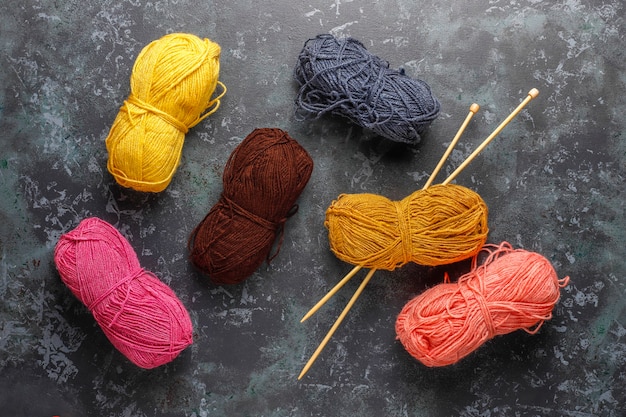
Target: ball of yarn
171,86
340,77
511,290
139,314
262,180
436,226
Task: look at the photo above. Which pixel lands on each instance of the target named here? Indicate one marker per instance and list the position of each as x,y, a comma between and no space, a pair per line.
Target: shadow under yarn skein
339,76
262,180
512,290
139,314
171,85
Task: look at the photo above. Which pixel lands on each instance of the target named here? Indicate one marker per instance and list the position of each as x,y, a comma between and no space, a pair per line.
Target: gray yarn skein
340,77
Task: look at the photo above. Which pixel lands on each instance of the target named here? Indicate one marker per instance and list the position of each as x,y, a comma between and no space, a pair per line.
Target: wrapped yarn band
91,305
139,314
262,180
143,106
172,86
513,289
339,76
435,226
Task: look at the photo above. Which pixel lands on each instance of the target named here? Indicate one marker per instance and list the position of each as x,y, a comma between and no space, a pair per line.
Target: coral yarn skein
513,289
139,314
171,90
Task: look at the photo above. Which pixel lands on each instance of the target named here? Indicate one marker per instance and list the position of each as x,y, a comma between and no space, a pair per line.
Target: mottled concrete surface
554,182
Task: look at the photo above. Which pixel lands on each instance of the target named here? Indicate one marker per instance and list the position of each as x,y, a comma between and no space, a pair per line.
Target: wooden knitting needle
332,330
531,95
472,111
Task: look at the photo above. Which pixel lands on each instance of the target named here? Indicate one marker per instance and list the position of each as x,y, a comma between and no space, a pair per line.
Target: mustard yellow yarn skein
171,89
440,225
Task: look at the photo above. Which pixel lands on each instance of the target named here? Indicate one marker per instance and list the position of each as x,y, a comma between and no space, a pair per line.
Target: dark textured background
553,180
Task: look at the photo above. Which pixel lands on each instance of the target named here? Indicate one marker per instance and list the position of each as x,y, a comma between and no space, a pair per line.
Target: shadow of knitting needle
531,95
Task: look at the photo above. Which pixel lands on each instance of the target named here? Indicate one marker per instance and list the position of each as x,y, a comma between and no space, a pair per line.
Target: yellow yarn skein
171,89
435,226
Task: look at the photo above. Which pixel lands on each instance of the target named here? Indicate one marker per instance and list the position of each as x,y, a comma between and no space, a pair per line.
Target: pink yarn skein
139,314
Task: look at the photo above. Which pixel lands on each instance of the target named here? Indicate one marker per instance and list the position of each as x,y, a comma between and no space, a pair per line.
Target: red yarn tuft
511,290
139,314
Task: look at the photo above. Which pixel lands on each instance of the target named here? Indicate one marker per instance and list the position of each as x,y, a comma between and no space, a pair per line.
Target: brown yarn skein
262,180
